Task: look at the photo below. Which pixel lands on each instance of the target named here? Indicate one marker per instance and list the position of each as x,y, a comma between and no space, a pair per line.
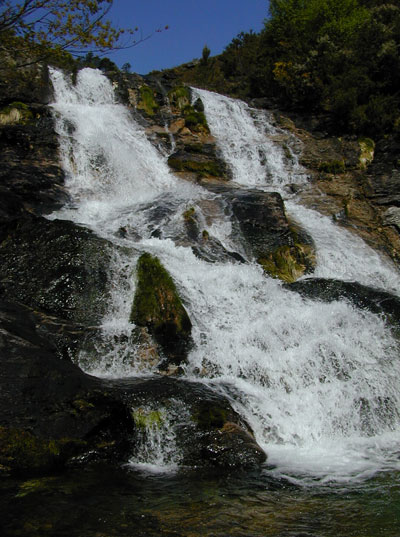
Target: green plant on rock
147,419
202,168
367,151
195,120
189,214
332,166
179,96
15,113
289,263
147,101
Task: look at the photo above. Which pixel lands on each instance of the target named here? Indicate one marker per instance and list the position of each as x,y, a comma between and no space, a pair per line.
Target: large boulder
50,411
283,249
362,296
200,423
62,268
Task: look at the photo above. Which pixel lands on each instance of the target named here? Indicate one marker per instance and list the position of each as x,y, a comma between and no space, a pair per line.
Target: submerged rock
158,307
362,296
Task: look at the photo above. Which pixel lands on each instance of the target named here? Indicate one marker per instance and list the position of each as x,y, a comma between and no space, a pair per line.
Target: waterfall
319,383
249,143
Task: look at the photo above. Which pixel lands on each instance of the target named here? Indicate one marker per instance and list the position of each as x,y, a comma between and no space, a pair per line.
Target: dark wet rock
62,268
62,337
50,411
208,431
29,84
361,296
204,245
158,307
198,159
283,249
31,178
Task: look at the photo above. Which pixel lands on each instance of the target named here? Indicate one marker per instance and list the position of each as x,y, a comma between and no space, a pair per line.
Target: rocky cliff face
54,278
353,180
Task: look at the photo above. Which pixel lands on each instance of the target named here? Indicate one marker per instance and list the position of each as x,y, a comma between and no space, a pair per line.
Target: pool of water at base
105,501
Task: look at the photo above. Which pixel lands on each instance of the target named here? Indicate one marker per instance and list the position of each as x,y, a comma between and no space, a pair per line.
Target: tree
126,68
40,27
205,54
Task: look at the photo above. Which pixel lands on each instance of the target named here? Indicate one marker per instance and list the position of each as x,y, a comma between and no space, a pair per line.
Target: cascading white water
109,163
319,383
343,255
246,138
157,450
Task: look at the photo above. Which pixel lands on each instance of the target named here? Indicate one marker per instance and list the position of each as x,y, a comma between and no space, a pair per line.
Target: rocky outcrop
62,268
50,411
31,177
353,180
207,431
362,296
280,246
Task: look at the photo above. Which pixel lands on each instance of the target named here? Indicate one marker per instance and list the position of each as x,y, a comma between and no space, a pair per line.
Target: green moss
147,419
205,235
82,405
203,168
288,263
157,304
15,113
147,101
194,119
179,96
34,485
189,214
194,148
332,166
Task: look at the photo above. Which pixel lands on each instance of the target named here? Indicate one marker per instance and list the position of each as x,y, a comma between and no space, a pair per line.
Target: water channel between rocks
318,382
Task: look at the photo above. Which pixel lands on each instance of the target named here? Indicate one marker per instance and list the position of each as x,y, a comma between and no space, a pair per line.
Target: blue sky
192,24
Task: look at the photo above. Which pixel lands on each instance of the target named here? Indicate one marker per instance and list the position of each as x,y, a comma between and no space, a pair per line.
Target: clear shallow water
319,383
105,501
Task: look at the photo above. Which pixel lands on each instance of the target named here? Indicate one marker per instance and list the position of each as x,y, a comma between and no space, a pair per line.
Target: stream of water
319,383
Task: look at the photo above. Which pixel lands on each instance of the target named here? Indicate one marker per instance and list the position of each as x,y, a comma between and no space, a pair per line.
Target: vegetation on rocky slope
339,58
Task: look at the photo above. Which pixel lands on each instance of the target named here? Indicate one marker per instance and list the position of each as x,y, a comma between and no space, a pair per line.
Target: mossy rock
150,419
367,152
22,451
203,168
147,101
16,113
208,416
179,97
158,307
289,263
195,120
